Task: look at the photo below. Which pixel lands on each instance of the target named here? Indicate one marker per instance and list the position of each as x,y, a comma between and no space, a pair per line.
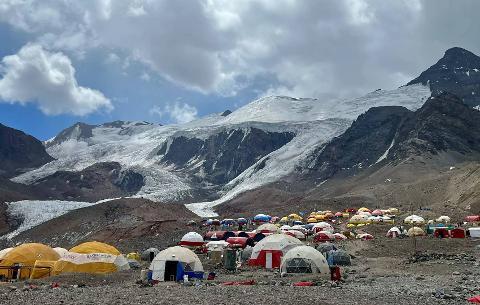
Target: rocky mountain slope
283,151
20,152
457,72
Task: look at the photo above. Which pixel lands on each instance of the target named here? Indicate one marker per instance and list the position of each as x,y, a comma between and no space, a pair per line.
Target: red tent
475,299
472,218
237,242
323,236
458,233
441,232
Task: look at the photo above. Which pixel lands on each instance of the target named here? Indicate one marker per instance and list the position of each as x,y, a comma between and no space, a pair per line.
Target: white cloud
177,112
47,79
322,49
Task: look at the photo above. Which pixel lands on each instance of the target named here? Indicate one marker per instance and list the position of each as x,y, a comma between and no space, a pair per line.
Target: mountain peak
457,72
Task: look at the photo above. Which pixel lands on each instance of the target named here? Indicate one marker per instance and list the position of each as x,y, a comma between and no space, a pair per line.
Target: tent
364,210
339,236
19,262
192,239
377,212
268,251
414,219
149,254
295,217
173,263
95,247
295,233
217,244
324,248
441,232
358,219
218,235
267,228
133,256
443,219
322,226
474,232
364,236
394,232
305,259
60,251
472,218
262,218
458,233
285,227
339,258
91,257
239,242
323,236
415,231
4,252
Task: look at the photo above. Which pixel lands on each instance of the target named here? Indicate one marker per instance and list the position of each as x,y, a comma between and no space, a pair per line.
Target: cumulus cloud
177,112
48,79
323,49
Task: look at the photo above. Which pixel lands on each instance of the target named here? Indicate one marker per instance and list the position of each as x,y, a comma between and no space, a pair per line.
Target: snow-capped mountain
219,155
272,140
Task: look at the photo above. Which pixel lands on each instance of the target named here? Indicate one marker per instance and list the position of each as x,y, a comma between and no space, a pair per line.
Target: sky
167,62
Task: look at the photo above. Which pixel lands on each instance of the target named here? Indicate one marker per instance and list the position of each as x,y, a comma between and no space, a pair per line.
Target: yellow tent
415,231
20,261
311,220
134,255
43,269
94,247
295,217
91,257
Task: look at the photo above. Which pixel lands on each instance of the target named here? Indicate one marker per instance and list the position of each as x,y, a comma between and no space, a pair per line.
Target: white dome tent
149,254
322,226
268,251
305,259
172,263
267,228
192,240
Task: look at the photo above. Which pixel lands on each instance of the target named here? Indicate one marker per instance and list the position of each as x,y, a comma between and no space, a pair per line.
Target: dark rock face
364,142
78,131
20,152
443,124
99,181
224,155
457,72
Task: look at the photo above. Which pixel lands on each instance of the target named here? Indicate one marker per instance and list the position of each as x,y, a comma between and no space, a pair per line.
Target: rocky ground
384,271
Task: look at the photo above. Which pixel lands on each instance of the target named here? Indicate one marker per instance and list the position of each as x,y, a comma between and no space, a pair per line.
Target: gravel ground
384,271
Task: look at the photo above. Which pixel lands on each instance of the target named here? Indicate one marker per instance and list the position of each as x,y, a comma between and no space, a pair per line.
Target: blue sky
173,61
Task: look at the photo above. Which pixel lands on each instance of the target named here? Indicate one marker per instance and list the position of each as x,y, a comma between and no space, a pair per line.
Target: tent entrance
151,256
171,271
299,265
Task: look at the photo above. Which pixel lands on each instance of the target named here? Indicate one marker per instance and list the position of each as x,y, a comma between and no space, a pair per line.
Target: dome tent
192,239
92,257
60,251
414,219
415,231
268,228
4,252
339,258
326,247
149,254
394,232
172,263
25,257
268,251
322,226
305,259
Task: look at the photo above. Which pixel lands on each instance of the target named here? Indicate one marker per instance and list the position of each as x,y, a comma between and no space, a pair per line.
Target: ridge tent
19,262
173,263
305,259
268,251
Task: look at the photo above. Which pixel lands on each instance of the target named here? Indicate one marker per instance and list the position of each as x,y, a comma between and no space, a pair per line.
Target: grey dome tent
339,258
325,247
149,254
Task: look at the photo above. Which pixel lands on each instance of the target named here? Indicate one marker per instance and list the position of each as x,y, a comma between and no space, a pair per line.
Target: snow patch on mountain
36,212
